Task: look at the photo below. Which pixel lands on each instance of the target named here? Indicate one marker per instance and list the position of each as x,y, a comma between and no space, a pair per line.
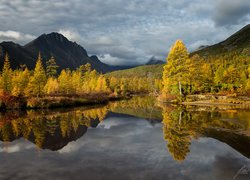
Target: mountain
238,43
67,54
18,55
153,60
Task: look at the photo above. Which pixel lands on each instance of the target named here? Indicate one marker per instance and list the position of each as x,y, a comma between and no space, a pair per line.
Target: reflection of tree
181,126
139,106
40,128
177,134
6,132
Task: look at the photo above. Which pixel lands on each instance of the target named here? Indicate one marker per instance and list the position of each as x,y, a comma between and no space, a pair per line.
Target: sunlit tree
6,75
38,80
176,71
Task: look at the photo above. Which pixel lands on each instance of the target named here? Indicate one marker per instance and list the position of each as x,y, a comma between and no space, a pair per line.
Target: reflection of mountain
53,142
237,141
57,141
51,131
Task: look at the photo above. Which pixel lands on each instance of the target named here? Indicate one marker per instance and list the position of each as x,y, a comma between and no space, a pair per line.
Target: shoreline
53,102
214,103
213,100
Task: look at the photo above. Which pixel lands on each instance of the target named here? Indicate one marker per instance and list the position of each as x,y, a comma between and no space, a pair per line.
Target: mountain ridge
237,42
68,54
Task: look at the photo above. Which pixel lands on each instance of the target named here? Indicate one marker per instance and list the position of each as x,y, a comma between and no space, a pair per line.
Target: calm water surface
134,139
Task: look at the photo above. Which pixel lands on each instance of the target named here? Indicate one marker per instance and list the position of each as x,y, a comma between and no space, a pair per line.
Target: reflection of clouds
71,147
10,149
226,166
116,121
16,146
109,131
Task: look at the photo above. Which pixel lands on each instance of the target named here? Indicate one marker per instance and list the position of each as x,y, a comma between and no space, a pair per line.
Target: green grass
154,71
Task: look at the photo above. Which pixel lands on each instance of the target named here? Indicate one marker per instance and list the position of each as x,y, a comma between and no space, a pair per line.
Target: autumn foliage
186,74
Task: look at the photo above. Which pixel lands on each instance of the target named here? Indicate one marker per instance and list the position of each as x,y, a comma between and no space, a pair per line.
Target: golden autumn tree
65,83
52,86
20,81
247,88
102,85
77,77
177,70
6,75
38,80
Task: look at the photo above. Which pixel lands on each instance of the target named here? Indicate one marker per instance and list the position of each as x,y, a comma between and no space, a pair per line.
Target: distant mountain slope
153,60
154,71
238,42
18,55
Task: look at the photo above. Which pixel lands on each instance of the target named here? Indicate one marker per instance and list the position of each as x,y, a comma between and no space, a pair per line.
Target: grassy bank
238,101
8,102
210,99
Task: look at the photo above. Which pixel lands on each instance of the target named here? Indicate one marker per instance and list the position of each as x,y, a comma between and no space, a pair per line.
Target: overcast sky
125,31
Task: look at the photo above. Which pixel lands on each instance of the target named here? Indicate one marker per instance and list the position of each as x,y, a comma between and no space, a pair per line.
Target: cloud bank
125,32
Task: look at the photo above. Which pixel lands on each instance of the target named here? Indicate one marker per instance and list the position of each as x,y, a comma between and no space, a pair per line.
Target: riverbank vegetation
183,75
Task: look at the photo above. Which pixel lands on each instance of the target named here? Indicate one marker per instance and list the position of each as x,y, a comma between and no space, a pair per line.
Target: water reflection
49,130
132,139
180,125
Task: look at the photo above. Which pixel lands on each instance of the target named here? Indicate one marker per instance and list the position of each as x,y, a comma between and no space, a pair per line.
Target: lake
129,139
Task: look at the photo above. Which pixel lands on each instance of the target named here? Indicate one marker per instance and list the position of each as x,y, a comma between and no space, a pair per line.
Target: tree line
47,81
222,73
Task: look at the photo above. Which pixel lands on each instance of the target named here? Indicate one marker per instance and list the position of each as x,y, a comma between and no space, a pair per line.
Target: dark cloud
125,32
231,12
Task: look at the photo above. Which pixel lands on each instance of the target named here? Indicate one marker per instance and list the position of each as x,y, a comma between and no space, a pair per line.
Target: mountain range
68,54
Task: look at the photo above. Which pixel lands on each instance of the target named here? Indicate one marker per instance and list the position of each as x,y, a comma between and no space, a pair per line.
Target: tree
247,88
64,82
51,67
6,75
176,71
38,80
20,80
51,86
86,68
102,85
